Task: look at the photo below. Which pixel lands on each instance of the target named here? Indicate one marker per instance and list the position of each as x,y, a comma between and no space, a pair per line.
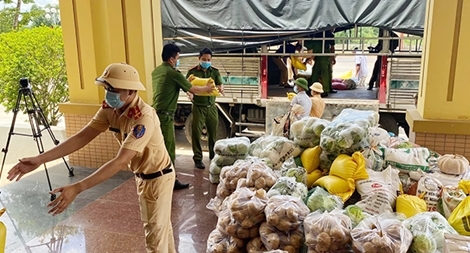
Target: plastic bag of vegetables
229,176
237,146
221,243
226,224
214,173
285,212
247,206
456,244
327,232
299,173
234,229
224,217
221,161
399,142
347,133
450,199
274,239
278,151
255,245
259,144
217,205
288,186
356,214
321,200
260,176
381,234
307,131
428,230
326,160
375,152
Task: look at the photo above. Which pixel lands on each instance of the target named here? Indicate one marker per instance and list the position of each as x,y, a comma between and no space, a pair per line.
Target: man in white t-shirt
361,67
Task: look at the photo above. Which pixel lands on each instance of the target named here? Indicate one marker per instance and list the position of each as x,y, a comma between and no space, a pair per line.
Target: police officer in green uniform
204,110
167,82
322,70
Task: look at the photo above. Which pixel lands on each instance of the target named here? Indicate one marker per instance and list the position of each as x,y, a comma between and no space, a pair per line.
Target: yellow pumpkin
453,164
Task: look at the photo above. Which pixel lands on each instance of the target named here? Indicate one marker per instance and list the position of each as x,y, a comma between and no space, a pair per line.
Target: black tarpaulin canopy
233,24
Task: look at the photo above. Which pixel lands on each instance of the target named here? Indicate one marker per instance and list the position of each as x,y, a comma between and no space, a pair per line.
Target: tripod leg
37,138
42,119
10,133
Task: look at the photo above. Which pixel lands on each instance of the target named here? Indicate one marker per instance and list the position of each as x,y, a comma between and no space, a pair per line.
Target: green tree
17,10
38,54
38,16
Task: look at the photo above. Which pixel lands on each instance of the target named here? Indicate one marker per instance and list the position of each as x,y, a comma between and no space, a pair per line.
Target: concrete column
442,118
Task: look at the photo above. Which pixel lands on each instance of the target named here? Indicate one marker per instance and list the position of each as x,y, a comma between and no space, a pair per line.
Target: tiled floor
105,218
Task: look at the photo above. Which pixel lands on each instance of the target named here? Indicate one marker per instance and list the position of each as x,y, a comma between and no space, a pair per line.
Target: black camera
24,83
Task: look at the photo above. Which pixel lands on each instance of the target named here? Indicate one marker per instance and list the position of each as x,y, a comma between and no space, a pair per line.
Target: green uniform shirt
316,45
210,72
167,82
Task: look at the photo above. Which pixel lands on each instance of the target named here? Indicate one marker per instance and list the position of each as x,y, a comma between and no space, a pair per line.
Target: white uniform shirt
362,61
303,100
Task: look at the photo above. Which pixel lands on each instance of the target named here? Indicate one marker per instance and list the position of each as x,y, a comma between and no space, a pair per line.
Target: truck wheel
388,123
222,131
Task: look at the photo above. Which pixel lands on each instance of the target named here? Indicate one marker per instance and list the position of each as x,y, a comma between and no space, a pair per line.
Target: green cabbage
433,226
348,132
422,243
299,173
232,146
288,186
355,213
321,200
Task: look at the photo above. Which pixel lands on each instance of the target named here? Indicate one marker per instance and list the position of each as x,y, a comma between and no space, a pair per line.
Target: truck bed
358,93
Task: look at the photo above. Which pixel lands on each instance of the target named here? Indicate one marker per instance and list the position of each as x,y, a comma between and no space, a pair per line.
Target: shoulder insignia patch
105,105
138,131
134,113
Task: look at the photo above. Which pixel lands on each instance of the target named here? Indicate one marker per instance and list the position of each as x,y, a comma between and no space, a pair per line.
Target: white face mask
296,90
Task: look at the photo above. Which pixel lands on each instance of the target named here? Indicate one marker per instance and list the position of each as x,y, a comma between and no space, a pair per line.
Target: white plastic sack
379,192
432,189
408,159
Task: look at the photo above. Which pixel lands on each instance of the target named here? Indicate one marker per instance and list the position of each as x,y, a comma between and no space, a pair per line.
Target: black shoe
179,185
324,95
370,88
333,91
199,165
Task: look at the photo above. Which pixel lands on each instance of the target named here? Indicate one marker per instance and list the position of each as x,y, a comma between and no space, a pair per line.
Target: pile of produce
340,186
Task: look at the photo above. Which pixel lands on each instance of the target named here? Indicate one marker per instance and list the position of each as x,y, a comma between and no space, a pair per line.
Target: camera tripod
36,118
